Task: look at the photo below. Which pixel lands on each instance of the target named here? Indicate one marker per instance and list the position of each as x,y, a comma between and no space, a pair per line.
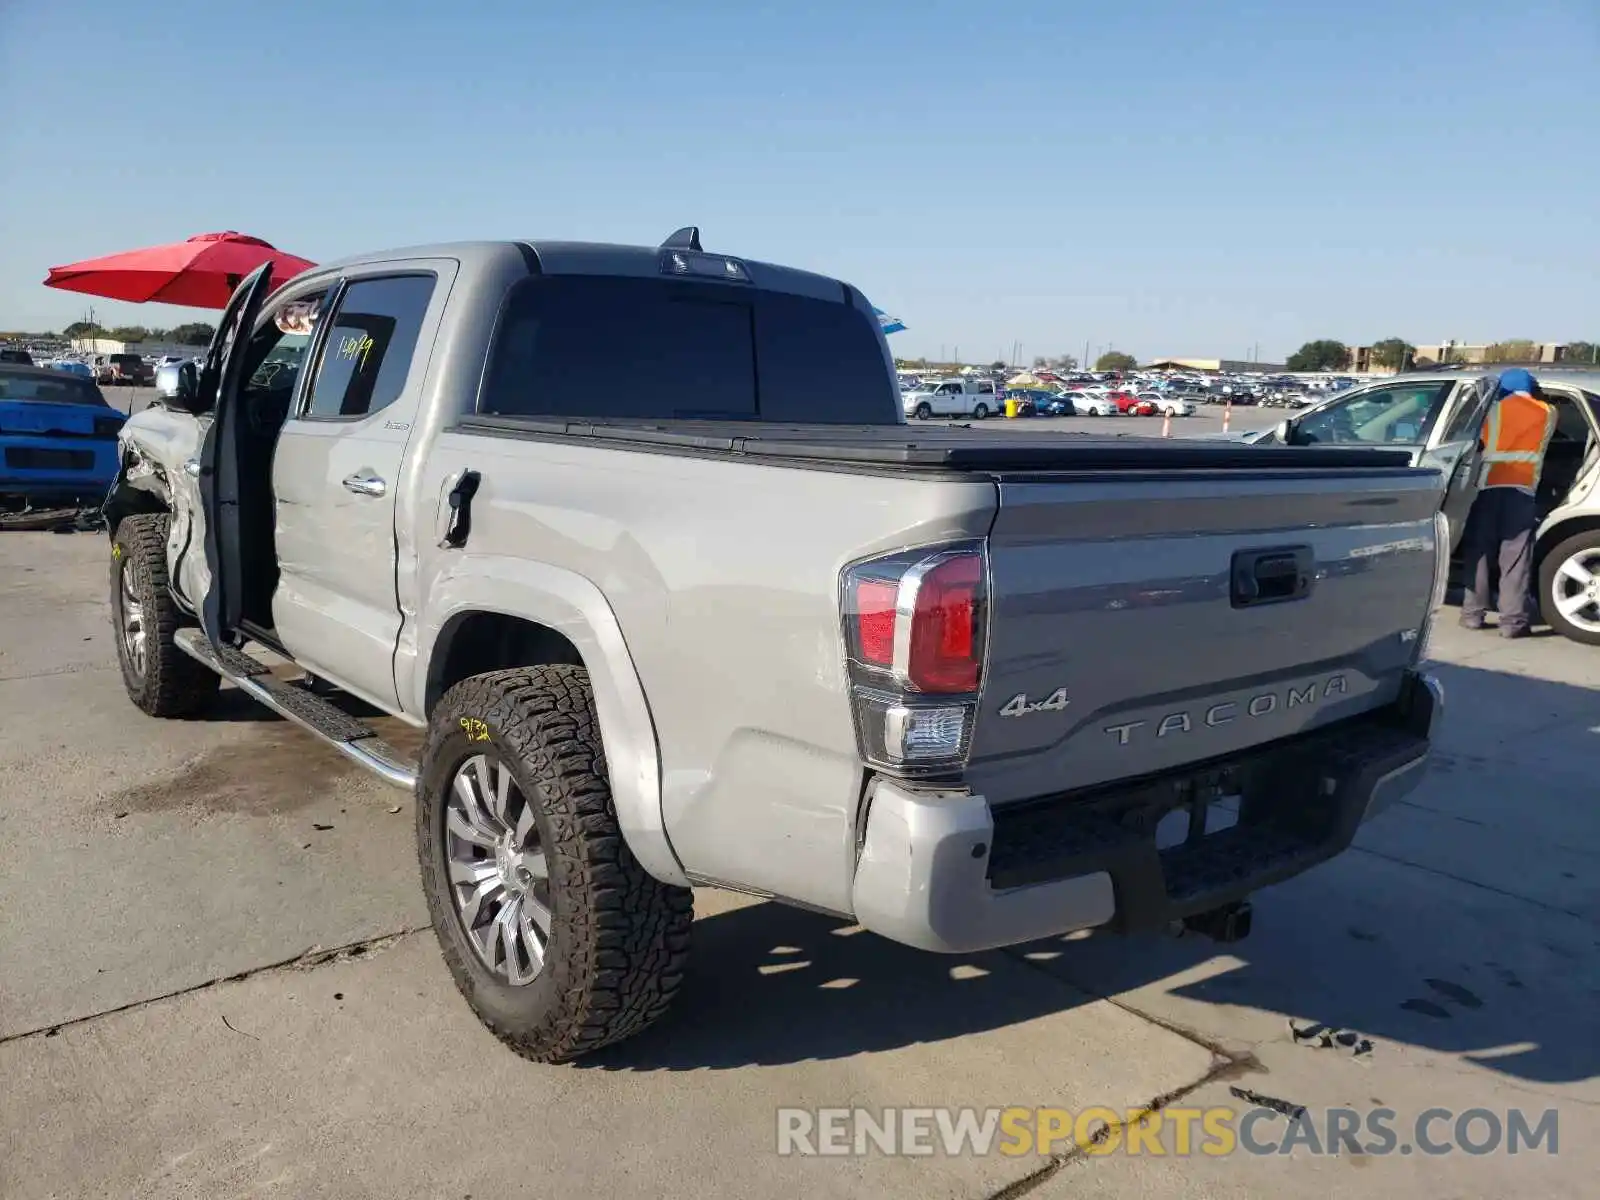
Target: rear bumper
944,872
29,467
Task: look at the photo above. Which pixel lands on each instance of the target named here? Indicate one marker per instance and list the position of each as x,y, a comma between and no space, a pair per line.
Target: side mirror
178,385
1284,432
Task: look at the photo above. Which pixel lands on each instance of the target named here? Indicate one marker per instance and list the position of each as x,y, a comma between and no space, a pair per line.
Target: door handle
191,468
365,485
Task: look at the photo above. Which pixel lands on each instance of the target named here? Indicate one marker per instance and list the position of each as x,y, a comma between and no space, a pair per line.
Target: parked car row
982,398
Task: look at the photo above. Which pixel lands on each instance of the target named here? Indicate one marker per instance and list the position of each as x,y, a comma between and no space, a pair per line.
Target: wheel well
125,502
478,642
1560,533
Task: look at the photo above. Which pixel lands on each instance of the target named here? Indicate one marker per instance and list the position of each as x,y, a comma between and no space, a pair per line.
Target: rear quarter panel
723,579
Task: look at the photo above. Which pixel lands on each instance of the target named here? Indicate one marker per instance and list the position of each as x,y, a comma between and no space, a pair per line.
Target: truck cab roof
601,258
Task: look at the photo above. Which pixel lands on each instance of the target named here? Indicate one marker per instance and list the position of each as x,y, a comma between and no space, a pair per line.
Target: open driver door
221,381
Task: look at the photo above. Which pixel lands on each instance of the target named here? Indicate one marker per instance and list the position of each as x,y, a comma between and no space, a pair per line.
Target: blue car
58,438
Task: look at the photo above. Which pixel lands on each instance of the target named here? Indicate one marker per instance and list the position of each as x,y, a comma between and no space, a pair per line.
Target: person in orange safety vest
1501,525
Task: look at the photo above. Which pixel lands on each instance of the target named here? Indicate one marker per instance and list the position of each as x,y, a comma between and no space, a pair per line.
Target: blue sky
1168,176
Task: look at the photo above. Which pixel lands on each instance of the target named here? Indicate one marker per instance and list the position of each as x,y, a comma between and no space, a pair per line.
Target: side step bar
350,737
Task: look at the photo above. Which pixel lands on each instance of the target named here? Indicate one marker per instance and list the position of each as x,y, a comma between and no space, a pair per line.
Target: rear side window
611,347
367,356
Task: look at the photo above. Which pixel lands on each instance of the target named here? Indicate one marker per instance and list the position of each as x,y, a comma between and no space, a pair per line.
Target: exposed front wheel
924,411
1569,588
160,678
557,937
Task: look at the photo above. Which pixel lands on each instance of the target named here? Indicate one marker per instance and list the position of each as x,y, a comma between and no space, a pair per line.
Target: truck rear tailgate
1192,614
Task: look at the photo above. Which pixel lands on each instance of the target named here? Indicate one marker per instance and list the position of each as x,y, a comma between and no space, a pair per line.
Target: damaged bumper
943,871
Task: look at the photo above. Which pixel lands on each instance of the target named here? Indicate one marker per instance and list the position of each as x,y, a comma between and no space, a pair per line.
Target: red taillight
945,638
915,626
875,601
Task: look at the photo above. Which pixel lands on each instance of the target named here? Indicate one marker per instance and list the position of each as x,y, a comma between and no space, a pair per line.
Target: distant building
143,349
1231,366
1451,353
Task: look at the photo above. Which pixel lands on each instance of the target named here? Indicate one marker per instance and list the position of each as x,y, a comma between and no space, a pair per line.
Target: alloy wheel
134,632
1576,589
499,874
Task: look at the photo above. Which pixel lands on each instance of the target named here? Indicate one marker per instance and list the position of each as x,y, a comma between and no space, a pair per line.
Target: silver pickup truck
640,536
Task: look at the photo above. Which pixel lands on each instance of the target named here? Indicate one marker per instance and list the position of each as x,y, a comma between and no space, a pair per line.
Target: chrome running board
350,737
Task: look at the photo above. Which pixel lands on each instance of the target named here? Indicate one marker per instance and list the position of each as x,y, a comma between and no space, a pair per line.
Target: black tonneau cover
937,447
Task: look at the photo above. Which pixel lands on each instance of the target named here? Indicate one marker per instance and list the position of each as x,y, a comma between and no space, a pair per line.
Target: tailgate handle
1271,576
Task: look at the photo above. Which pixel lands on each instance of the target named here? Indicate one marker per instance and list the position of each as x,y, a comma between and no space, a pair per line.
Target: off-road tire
619,938
1548,566
172,684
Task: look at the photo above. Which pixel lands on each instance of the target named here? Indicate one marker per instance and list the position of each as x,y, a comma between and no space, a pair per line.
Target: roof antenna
687,238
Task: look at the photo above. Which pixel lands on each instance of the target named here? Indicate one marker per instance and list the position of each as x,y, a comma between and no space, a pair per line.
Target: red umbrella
200,273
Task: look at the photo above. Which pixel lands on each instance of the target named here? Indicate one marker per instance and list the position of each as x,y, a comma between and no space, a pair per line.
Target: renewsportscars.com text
1176,1132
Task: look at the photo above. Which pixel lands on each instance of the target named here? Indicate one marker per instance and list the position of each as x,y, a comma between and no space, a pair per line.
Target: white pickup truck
973,398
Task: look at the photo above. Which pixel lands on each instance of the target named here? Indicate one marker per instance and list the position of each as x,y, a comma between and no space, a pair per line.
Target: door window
1397,415
1467,418
273,360
370,345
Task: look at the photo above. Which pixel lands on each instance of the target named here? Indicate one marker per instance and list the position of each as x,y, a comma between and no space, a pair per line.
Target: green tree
1391,352
131,333
197,333
1580,352
1516,350
997,365
1115,360
1325,354
83,329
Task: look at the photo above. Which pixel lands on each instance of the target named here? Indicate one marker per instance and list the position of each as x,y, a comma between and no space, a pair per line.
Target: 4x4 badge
1019,705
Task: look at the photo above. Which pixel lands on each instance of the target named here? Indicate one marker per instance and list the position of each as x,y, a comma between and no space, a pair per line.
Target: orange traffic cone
1227,415
1166,424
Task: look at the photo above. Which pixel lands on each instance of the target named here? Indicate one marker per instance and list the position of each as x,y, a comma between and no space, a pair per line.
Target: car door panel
220,467
337,475
1454,450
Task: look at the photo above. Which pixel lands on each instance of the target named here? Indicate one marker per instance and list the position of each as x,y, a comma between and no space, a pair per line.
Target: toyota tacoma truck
641,537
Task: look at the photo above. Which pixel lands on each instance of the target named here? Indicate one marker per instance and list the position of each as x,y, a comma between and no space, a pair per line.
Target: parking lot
1207,420
217,977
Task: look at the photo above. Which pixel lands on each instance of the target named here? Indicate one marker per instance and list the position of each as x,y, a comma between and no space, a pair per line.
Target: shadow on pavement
1395,950
769,984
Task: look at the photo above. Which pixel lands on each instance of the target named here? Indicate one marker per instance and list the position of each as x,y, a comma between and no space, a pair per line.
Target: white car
1094,404
1175,406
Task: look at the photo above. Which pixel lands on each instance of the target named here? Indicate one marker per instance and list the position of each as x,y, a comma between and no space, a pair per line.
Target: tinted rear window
614,347
55,388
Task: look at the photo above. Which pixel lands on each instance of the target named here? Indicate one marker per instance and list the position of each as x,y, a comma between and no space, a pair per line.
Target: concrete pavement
213,983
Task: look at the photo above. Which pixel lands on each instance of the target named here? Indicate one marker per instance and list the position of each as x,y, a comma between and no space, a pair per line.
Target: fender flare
573,606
